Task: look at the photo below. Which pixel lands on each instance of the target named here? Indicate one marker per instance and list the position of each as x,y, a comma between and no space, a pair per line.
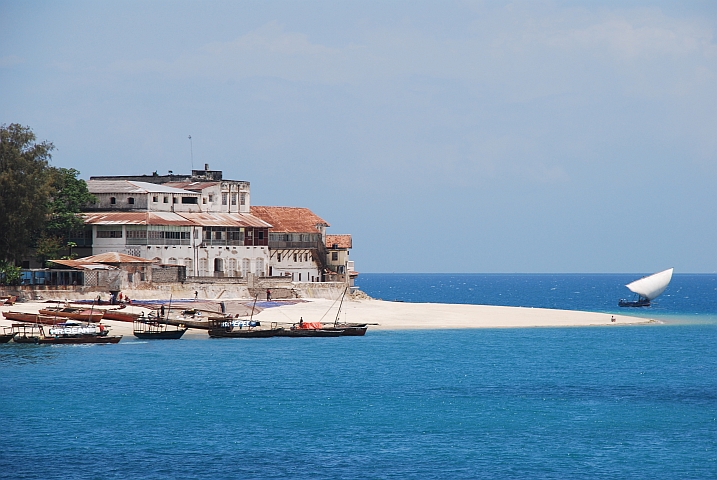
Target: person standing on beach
268,295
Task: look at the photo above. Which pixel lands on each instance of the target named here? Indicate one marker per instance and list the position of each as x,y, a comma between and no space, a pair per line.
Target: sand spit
399,316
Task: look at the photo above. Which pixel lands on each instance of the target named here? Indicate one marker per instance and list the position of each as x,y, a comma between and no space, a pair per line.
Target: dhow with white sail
647,288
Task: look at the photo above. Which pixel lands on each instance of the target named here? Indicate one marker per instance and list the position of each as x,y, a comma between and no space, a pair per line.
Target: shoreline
396,316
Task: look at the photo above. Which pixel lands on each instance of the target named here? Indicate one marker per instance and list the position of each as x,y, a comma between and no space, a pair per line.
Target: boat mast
336,322
252,308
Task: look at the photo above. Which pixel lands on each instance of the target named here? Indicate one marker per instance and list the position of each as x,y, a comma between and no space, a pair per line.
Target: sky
466,136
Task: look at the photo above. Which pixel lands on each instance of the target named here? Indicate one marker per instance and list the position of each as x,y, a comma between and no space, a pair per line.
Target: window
211,198
130,278
204,200
155,199
334,256
278,257
166,200
242,198
260,235
191,200
217,235
224,198
113,200
296,258
234,198
109,233
299,277
130,200
174,199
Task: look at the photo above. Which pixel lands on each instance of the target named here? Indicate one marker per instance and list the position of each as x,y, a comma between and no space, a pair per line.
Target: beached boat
120,315
75,313
33,318
347,329
647,289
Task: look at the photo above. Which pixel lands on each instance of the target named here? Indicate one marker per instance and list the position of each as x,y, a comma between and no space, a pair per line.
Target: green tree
69,195
25,187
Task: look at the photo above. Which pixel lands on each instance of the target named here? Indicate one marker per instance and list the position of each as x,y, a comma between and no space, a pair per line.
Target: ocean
598,402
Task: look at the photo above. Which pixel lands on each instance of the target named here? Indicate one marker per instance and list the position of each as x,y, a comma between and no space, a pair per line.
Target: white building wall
303,269
201,260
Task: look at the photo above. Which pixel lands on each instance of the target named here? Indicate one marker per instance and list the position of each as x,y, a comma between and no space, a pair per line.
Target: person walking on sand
612,319
196,294
268,295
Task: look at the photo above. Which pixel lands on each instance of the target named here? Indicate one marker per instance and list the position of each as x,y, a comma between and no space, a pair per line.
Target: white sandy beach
398,316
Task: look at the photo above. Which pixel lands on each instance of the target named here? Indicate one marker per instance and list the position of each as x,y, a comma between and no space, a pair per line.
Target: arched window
260,267
172,261
190,266
245,266
203,264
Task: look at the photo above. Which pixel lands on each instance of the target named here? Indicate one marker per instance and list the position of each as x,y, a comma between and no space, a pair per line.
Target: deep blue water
600,402
687,295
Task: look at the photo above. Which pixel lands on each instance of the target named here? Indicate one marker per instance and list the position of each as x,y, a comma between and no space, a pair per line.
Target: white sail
651,287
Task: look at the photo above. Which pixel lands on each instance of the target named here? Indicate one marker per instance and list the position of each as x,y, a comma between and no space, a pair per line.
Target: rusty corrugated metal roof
82,264
175,219
225,220
114,257
341,241
290,219
192,186
136,218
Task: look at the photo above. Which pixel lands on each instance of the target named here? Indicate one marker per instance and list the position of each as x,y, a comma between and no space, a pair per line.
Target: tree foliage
69,195
25,187
38,203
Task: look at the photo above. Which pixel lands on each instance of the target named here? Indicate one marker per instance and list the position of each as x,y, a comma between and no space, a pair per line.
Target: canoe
33,318
120,316
84,315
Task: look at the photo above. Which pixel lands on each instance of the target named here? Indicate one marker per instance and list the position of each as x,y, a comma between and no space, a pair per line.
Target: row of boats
72,324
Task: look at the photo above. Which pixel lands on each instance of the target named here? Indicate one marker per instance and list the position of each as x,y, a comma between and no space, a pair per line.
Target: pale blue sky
445,136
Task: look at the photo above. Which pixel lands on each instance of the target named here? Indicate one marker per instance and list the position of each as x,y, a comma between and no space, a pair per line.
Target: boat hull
349,329
33,318
643,302
165,335
307,332
236,333
83,317
80,339
5,338
120,316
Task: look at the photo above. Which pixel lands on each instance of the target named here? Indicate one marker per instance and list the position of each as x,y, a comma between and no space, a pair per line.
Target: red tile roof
225,220
290,219
341,241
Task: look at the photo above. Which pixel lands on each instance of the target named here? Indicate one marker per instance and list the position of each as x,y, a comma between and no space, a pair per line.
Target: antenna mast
191,151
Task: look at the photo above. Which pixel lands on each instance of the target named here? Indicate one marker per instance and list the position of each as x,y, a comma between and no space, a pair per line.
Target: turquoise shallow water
602,402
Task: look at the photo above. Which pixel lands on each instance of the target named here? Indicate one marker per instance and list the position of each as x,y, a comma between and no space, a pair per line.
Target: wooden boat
6,335
33,318
75,313
64,334
154,330
647,289
349,329
309,332
120,316
231,332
